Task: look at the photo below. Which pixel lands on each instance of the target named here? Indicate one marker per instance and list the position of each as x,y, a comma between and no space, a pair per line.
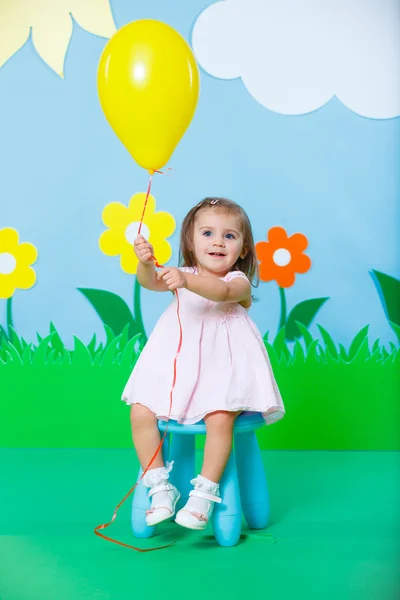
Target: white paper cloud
294,55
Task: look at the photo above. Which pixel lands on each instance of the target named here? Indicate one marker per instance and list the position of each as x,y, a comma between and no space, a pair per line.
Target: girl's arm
147,277
146,273
212,288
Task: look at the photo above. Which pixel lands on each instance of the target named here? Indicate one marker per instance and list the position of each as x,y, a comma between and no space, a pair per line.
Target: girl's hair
249,264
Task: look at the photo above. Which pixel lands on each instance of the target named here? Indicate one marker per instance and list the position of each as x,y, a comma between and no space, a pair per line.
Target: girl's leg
219,427
198,509
145,435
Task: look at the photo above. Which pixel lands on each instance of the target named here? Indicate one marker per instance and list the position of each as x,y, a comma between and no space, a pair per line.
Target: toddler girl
223,368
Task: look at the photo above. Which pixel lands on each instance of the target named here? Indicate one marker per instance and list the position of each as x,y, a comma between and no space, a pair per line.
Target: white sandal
198,509
164,496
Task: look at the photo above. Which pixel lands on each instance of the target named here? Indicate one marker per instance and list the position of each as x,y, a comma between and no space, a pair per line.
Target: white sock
154,477
201,505
161,499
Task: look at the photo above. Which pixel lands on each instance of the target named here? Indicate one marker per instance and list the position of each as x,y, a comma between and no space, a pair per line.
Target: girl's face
217,241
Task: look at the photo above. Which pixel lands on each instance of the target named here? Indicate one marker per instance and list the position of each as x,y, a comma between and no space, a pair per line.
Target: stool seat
243,486
244,422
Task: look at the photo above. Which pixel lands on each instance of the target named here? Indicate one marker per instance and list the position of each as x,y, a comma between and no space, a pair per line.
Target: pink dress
223,363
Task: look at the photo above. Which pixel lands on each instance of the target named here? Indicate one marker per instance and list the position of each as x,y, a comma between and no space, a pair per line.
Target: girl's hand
172,277
143,250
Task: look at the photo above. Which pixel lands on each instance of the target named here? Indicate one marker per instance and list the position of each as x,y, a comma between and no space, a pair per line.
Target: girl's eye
207,233
230,236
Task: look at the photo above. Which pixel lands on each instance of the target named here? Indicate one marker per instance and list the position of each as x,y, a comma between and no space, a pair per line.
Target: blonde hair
247,265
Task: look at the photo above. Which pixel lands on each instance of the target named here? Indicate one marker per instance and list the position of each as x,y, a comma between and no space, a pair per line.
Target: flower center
282,257
7,263
132,230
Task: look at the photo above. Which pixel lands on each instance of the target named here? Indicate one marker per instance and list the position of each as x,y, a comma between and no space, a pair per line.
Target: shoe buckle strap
200,494
161,487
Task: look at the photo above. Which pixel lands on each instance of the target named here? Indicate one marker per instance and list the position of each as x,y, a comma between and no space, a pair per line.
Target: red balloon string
145,201
105,525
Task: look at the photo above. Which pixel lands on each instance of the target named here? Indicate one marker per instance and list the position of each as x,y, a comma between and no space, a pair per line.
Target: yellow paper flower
15,261
123,223
51,23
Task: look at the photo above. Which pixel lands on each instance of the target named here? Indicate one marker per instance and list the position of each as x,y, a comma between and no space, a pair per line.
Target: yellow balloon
148,84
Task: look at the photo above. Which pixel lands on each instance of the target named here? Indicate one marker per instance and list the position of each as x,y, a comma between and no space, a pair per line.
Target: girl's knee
141,416
221,419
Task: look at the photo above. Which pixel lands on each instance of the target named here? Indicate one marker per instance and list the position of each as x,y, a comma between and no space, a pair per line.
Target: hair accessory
214,201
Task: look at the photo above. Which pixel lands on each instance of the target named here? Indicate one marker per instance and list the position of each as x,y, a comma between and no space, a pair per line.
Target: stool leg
183,455
141,502
252,480
227,516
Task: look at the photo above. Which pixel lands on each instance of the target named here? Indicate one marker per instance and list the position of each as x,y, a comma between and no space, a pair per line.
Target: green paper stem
9,316
282,321
137,310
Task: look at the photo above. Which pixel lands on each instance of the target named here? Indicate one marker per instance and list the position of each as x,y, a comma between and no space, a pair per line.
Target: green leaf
389,293
328,341
358,340
304,313
112,310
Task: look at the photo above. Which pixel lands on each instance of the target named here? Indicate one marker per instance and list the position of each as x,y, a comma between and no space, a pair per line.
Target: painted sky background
330,174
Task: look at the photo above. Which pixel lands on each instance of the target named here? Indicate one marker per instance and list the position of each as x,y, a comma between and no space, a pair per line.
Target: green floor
335,526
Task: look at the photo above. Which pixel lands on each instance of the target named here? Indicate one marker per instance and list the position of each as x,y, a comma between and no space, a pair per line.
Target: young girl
223,368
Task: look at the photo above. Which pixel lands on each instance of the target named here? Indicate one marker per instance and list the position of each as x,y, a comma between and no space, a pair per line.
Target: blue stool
244,472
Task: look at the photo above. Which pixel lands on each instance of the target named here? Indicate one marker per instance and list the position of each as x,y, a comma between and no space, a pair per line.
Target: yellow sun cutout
51,22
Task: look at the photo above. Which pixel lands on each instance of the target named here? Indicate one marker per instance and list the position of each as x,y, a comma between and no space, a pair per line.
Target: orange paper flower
281,257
